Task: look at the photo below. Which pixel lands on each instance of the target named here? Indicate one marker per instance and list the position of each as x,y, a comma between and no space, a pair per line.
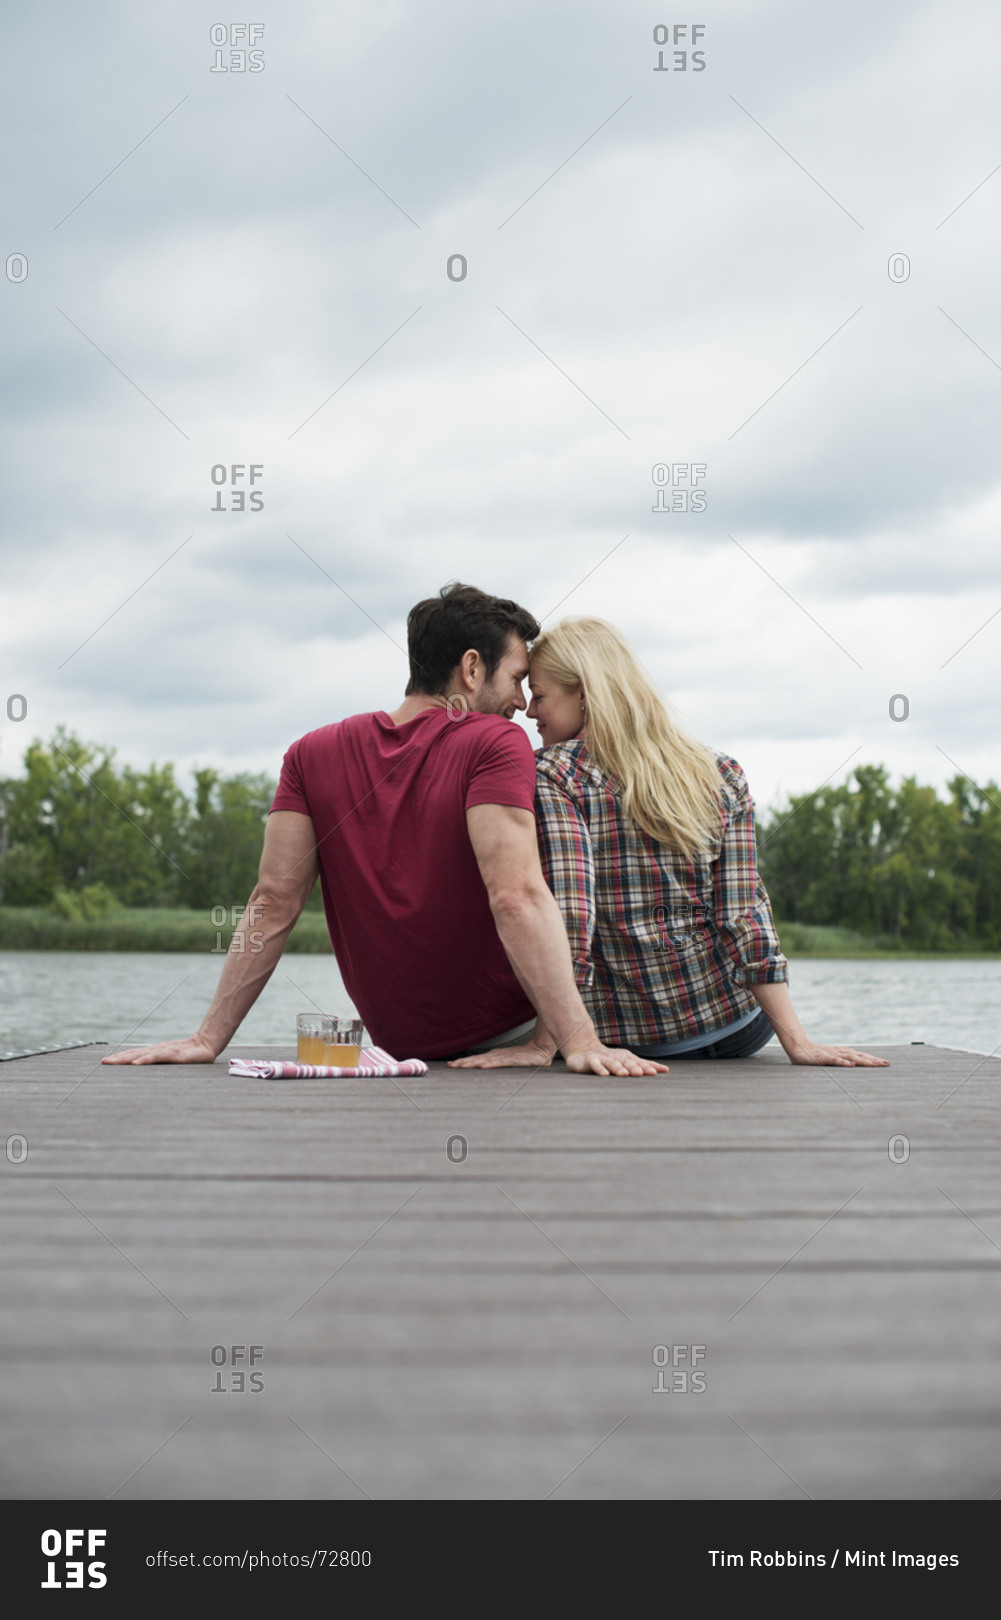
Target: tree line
897,864
893,863
78,825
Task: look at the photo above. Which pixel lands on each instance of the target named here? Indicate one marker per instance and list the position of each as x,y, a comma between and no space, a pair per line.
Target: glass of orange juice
309,1038
342,1039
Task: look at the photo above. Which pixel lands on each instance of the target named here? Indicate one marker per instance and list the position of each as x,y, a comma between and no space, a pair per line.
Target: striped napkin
374,1062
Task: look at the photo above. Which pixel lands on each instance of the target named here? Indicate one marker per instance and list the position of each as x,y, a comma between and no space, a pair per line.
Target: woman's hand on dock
191,1050
598,1059
776,1004
838,1057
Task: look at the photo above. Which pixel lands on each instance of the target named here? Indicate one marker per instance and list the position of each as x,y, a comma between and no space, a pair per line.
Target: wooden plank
475,1328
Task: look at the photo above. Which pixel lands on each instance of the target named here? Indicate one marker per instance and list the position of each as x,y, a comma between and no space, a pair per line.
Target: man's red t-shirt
406,907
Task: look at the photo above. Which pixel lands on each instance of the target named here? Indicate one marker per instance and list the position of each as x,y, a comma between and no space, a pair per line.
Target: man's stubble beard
489,702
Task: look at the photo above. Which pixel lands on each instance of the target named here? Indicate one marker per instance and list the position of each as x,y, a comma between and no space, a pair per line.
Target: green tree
224,837
979,864
73,820
891,864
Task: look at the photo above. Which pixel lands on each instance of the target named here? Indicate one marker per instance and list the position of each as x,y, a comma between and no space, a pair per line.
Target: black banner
459,1553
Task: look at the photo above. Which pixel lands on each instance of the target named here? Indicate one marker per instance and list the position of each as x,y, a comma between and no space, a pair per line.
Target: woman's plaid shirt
662,944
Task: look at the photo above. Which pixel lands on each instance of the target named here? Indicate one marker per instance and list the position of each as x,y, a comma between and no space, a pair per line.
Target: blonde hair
670,782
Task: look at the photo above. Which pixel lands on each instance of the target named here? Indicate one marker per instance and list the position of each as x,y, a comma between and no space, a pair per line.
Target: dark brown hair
443,627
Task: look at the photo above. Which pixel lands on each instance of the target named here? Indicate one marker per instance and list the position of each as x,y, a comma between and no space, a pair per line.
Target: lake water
48,997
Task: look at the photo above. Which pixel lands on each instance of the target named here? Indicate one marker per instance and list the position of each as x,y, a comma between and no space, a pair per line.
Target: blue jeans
742,1044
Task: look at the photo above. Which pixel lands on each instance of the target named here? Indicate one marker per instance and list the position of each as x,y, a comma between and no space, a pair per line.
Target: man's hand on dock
191,1050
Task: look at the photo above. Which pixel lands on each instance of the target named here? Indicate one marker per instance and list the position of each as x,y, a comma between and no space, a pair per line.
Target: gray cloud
678,270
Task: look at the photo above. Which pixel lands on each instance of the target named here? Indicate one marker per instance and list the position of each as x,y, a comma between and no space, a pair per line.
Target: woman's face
557,710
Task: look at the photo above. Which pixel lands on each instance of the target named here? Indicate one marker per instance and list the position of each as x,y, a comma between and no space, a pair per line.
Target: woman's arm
744,920
747,927
567,861
776,1004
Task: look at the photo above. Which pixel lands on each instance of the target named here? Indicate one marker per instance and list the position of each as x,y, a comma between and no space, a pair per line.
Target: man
421,826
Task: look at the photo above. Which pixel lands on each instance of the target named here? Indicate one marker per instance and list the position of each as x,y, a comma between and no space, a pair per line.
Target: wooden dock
460,1282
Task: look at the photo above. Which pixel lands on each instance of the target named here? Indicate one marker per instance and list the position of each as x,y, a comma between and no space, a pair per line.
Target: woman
647,840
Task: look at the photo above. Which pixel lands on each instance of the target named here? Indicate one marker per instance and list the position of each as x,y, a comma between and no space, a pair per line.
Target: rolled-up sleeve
744,918
568,867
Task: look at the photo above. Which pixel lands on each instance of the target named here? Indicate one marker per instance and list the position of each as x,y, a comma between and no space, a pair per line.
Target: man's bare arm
287,874
531,929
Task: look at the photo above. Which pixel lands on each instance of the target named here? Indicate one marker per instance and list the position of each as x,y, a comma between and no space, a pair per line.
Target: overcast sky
236,268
